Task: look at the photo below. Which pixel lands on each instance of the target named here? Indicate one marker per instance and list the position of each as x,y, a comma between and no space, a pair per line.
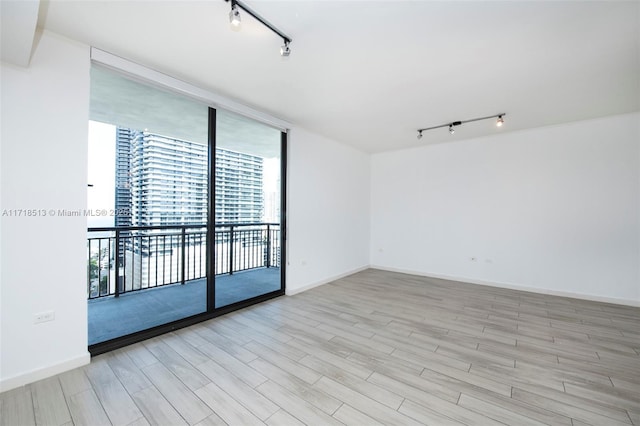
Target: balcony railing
132,258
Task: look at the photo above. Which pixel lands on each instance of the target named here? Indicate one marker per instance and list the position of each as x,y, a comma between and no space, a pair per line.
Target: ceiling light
451,125
234,18
285,50
234,15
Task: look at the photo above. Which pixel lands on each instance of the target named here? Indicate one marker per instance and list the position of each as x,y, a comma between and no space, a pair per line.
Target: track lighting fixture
285,50
451,125
234,18
234,15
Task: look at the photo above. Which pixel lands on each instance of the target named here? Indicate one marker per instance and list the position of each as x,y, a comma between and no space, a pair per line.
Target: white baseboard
43,373
511,286
325,281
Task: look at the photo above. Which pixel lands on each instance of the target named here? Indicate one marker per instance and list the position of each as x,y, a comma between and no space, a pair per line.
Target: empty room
234,212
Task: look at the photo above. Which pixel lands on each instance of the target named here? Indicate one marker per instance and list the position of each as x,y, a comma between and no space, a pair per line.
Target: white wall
43,157
328,215
554,209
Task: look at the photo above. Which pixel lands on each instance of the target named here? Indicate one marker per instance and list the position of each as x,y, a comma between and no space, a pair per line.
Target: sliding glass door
185,211
248,209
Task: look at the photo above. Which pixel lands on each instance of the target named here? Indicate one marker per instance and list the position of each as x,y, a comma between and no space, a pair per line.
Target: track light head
419,134
234,15
499,121
451,129
285,50
234,19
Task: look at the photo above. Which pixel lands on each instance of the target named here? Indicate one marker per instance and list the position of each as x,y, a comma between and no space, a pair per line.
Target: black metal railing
131,258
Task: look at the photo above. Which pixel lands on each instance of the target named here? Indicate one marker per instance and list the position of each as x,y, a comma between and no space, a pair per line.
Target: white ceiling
369,73
18,21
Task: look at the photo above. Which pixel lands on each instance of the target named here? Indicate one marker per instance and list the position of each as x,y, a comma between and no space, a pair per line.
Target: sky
102,171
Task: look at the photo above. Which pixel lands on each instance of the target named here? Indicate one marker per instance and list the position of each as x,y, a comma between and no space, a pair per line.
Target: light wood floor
373,348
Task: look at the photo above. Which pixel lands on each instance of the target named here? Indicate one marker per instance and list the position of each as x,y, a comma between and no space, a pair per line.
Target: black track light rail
263,21
458,123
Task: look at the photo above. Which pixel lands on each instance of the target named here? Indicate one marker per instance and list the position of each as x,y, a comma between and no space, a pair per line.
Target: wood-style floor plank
350,416
372,348
292,367
296,406
227,408
187,373
425,415
74,381
260,406
49,404
16,408
282,418
190,407
87,410
363,403
363,387
127,372
234,365
297,386
113,396
583,410
157,410
496,412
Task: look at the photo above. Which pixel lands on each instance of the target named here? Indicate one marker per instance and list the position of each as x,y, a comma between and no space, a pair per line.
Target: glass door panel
248,183
147,207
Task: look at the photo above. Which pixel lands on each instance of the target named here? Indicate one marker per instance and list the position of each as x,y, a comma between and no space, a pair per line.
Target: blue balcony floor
111,317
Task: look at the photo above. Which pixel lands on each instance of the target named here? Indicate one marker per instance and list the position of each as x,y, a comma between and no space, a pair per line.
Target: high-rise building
163,181
168,180
123,177
239,187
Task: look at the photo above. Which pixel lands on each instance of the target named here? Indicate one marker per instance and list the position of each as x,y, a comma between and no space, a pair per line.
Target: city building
239,187
123,200
163,181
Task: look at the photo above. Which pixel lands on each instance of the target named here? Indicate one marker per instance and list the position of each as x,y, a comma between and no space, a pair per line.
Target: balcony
140,277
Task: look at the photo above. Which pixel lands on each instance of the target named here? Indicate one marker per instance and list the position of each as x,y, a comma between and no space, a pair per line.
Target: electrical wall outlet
44,317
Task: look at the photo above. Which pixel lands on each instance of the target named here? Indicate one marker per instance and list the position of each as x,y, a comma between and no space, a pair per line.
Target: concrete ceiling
369,73
123,102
